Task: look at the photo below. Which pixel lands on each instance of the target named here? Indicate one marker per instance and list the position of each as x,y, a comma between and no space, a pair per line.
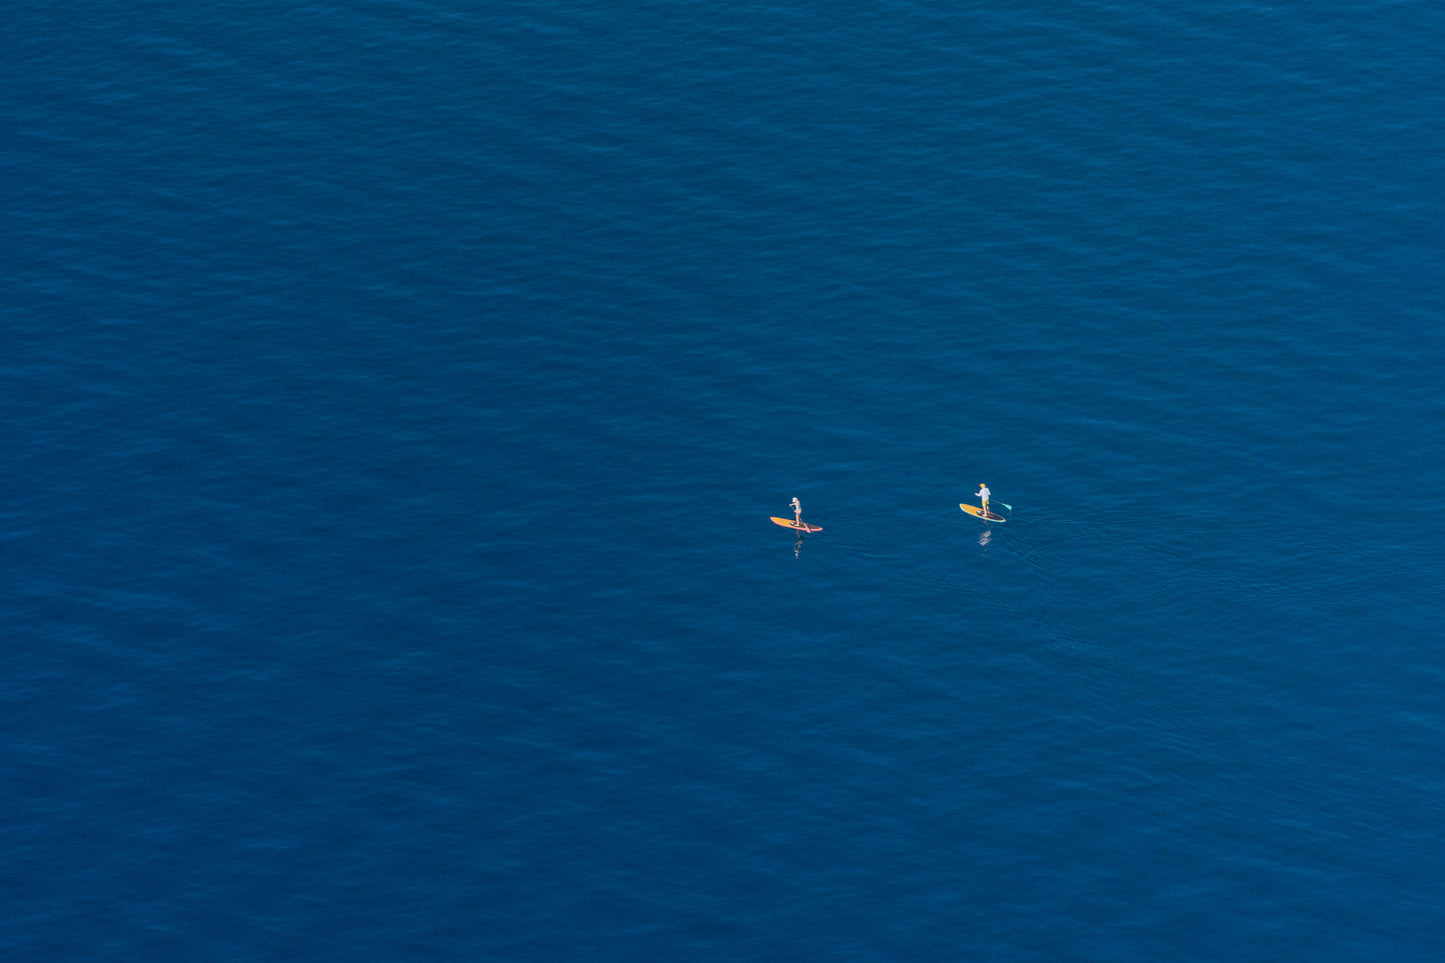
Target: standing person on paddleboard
796,523
983,494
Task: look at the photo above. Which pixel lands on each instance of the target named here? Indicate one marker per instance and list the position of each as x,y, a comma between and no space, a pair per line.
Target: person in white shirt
797,508
983,494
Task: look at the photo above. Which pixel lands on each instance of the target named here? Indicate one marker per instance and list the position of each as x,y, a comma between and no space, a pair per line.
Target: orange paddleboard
977,512
795,526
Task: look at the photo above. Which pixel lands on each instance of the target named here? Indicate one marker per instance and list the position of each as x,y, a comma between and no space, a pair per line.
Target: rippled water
398,393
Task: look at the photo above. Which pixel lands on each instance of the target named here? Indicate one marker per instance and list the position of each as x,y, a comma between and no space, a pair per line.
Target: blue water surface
397,393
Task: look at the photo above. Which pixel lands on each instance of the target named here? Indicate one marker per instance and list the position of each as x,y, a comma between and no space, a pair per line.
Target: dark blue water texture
397,392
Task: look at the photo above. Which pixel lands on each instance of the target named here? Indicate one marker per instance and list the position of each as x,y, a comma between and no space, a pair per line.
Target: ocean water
397,392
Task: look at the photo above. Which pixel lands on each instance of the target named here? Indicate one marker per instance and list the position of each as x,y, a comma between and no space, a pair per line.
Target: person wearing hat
983,494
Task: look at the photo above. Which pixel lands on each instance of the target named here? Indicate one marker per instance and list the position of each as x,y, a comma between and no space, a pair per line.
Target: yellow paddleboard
977,512
795,526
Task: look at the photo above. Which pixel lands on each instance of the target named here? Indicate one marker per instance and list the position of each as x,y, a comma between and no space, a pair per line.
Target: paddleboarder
982,493
796,523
